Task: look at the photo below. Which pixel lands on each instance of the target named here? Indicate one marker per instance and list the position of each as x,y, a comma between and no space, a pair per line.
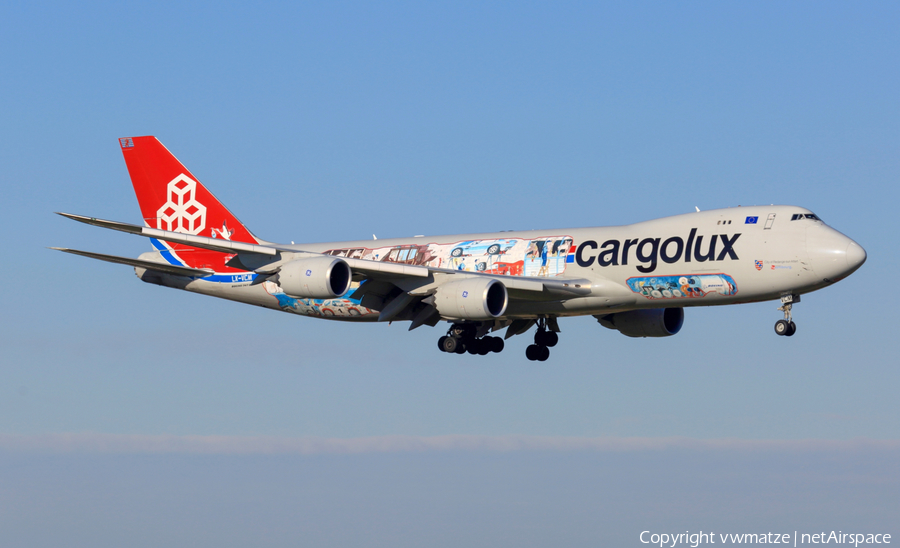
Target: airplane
636,279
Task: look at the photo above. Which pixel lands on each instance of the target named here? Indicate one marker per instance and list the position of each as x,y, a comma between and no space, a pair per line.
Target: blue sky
340,120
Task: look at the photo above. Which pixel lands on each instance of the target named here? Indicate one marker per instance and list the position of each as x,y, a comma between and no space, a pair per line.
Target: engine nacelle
657,322
472,299
321,277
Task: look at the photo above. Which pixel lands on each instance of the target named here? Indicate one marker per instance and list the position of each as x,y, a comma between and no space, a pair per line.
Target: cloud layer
88,442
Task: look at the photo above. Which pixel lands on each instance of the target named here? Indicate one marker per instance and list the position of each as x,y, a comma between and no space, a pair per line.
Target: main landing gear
543,339
787,327
462,338
474,339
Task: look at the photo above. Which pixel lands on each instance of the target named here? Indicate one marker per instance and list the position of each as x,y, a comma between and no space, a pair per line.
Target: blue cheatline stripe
217,278
570,258
166,254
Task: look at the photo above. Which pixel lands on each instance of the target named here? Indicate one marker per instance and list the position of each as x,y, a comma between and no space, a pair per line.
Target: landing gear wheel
546,338
497,344
537,353
782,327
460,348
478,347
792,331
449,344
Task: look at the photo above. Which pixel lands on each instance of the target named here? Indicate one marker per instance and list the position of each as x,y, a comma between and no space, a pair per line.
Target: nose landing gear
787,327
462,338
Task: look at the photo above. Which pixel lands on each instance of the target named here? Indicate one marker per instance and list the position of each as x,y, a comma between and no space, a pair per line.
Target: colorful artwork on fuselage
541,257
687,286
324,308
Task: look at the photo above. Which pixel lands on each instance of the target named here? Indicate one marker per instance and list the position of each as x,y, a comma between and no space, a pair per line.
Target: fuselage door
770,221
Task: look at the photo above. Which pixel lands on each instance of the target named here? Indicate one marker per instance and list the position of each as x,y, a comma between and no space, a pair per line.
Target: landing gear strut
543,339
787,327
462,338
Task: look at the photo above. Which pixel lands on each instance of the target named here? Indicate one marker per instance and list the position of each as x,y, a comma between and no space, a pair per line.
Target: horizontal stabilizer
214,244
149,265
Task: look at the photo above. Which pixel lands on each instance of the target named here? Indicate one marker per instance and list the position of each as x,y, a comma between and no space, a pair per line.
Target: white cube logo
182,212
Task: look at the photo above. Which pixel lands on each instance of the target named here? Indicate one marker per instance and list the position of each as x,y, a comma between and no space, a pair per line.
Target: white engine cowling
472,299
321,277
657,322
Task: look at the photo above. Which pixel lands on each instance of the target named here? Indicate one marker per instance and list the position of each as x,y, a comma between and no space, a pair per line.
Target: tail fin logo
182,212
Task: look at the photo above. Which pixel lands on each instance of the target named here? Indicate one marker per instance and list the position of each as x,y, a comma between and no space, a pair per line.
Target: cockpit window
799,216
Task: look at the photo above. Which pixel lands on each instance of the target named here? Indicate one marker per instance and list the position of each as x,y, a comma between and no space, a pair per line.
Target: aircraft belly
571,307
270,295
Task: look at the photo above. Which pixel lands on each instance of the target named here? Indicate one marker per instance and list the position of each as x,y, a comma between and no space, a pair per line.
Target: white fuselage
715,257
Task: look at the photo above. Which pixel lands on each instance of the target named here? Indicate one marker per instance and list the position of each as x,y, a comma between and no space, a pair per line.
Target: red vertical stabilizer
171,198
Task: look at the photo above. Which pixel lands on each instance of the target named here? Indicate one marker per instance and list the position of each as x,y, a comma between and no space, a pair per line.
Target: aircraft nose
833,255
855,255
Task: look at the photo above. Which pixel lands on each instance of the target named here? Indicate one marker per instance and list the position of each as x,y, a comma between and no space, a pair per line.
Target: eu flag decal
751,220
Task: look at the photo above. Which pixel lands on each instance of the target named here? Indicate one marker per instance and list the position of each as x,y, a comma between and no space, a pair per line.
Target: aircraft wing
390,271
369,269
416,283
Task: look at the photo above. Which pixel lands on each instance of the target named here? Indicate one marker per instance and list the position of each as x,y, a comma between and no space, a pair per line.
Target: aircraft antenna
697,208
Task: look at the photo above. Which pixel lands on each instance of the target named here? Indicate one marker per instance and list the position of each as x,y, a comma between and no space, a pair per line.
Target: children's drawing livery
322,308
678,287
542,257
636,279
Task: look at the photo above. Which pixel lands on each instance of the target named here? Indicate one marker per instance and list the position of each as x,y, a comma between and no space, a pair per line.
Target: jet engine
657,322
322,277
476,298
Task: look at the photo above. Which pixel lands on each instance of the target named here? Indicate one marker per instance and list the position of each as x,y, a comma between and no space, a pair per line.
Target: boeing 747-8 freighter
636,279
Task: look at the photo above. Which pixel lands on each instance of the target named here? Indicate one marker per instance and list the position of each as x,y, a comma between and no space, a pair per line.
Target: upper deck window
798,216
